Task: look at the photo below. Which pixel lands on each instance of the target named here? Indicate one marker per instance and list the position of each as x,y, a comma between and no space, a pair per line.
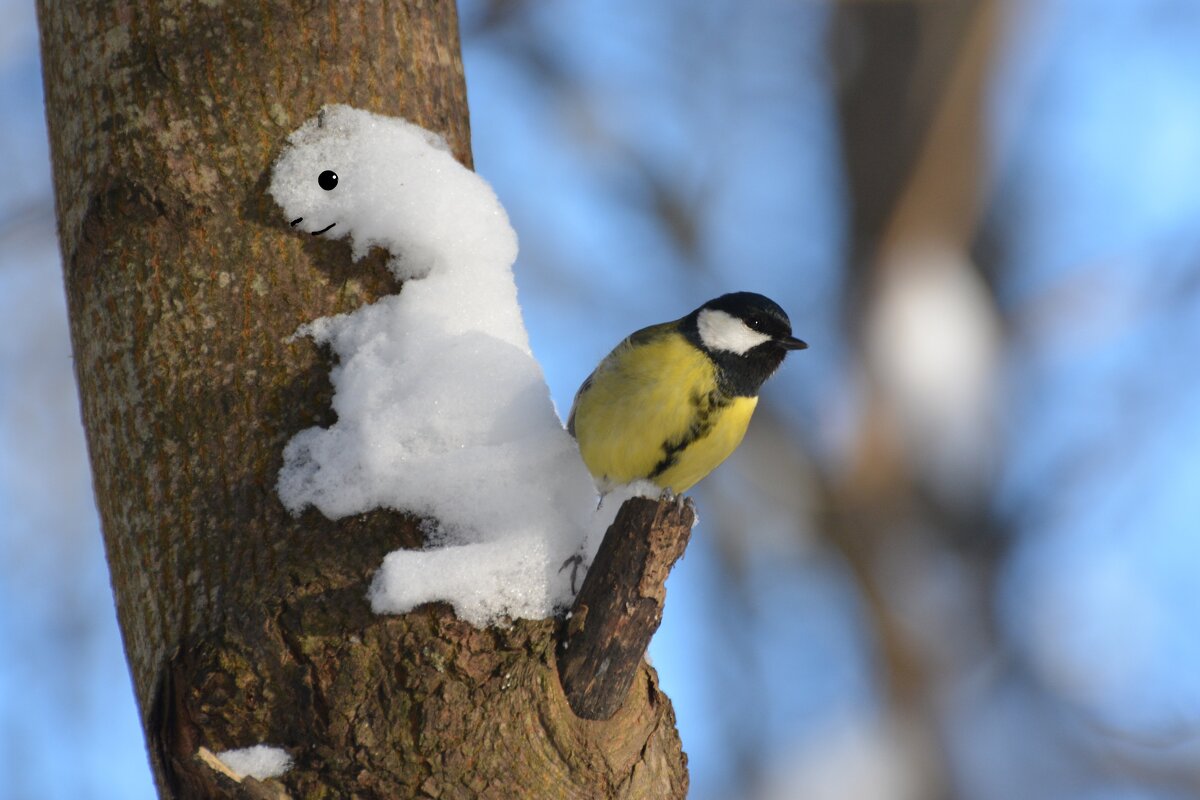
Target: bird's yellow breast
652,410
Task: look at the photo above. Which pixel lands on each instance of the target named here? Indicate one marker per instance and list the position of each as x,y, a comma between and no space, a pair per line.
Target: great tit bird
672,401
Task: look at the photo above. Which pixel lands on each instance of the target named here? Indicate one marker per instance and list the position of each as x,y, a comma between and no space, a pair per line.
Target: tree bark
243,625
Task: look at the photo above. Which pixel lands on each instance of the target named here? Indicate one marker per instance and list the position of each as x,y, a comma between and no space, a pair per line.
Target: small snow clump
259,762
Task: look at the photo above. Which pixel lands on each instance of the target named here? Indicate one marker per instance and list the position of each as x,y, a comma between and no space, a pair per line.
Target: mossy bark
243,625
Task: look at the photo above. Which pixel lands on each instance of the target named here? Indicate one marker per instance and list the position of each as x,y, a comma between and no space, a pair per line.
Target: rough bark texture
420,705
243,625
620,604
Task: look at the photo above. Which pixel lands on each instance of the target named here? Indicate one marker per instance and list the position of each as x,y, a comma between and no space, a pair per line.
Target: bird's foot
575,562
681,500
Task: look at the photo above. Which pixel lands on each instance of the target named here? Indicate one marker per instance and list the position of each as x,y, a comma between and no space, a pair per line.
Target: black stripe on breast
707,409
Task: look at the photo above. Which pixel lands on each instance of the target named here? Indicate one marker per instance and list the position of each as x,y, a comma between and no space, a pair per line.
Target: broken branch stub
620,605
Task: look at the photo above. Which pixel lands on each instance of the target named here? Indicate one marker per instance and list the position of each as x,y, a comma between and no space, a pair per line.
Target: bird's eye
754,324
327,180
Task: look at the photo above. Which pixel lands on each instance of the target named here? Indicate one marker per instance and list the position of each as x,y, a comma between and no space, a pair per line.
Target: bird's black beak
792,343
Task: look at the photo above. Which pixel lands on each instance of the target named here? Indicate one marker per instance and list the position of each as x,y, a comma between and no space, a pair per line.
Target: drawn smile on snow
298,220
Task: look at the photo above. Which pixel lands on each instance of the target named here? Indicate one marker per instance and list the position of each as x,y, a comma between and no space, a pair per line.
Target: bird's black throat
743,375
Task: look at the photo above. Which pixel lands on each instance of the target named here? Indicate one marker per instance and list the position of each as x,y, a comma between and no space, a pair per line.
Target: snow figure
441,409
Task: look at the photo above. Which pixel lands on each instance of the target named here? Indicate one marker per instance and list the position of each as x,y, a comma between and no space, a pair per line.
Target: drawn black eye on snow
327,180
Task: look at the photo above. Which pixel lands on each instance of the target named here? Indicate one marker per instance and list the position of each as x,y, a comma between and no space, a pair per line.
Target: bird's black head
746,334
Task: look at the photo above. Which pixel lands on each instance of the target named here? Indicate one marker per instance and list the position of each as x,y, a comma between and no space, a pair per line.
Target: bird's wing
583,387
638,337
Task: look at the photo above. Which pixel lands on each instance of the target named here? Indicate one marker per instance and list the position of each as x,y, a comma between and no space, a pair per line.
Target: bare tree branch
620,605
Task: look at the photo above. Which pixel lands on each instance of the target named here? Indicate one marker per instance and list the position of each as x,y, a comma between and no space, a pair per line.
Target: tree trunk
243,625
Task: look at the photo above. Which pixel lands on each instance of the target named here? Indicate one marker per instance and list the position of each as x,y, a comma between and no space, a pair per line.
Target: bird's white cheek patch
721,331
